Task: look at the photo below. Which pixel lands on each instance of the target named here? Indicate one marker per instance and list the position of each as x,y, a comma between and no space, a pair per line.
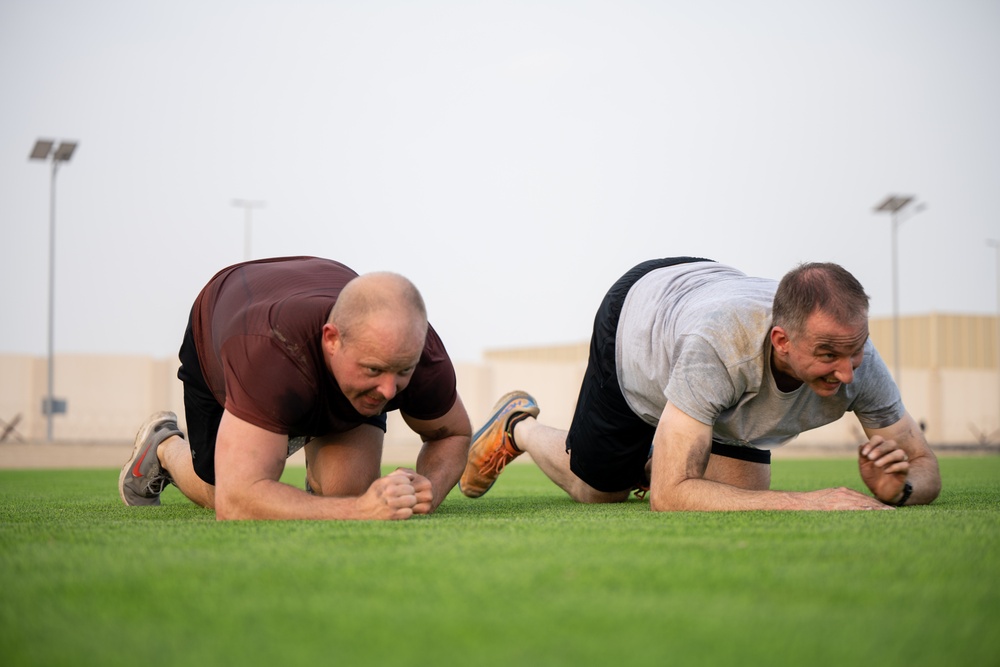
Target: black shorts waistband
742,453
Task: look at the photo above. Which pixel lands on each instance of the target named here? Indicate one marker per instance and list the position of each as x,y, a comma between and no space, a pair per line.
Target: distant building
949,368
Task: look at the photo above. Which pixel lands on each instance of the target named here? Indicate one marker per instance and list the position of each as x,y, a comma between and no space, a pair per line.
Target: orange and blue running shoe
493,445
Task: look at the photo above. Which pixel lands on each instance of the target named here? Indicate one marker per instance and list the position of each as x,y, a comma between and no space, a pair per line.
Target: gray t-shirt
698,335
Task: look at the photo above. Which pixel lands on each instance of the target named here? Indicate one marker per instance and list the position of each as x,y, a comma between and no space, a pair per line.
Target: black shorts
609,444
201,411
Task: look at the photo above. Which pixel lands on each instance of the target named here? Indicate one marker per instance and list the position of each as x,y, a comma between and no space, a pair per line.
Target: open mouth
830,385
372,402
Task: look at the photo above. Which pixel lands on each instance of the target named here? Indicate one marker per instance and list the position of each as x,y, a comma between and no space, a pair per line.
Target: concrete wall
107,397
956,394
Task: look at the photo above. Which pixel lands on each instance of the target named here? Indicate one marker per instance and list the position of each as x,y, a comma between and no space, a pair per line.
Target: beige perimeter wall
949,380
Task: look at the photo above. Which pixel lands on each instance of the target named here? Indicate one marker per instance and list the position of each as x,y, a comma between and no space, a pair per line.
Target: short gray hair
826,287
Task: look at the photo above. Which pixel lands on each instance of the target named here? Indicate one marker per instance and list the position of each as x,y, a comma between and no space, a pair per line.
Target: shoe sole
502,405
140,439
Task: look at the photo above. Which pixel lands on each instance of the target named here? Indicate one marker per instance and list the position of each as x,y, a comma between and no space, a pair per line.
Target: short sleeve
700,385
878,403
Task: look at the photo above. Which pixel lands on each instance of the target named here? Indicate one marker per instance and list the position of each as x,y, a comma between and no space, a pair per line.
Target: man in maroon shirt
301,351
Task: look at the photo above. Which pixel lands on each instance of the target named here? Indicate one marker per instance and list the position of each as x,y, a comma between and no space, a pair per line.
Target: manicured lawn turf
522,576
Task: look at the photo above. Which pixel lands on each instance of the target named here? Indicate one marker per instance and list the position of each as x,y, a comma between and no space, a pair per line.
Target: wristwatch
907,491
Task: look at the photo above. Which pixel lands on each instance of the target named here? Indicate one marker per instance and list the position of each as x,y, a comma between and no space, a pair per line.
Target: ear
780,340
331,338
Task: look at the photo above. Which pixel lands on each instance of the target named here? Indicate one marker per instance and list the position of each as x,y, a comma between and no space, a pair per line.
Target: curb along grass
520,575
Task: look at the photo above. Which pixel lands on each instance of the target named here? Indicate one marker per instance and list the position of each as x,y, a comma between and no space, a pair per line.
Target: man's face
824,356
375,363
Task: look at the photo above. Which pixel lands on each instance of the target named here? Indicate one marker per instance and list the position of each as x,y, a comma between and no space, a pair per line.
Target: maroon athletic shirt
258,329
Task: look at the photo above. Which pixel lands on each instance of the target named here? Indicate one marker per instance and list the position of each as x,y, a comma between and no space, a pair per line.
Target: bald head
376,294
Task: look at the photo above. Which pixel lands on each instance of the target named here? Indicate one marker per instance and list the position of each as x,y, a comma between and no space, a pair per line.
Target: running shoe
142,480
493,445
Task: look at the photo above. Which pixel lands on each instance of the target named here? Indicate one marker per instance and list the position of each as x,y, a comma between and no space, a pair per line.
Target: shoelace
157,484
502,455
499,457
159,481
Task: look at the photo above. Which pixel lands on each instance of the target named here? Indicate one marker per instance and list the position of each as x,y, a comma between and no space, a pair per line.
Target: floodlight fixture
65,151
42,149
893,203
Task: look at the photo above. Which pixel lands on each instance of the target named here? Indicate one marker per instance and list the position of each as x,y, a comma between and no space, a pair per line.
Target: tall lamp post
248,206
43,150
894,205
996,244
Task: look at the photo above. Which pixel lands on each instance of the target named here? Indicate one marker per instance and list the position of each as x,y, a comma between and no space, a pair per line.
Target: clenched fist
399,495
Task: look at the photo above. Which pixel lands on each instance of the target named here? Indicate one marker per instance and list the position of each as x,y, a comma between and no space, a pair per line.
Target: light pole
248,206
43,151
894,204
996,244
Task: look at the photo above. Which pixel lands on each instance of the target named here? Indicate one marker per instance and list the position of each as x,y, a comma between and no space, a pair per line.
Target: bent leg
547,448
175,458
345,464
741,474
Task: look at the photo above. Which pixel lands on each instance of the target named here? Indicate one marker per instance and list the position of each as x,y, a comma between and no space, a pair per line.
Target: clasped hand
884,467
399,495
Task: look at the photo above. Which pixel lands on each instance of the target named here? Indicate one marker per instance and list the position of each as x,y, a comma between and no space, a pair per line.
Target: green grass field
522,576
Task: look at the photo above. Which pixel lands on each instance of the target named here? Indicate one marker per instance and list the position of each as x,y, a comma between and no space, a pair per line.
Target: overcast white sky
512,158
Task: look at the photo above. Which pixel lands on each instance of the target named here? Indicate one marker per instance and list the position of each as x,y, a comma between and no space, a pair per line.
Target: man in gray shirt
696,372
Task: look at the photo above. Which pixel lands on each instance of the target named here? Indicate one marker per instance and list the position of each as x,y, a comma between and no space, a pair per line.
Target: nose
844,371
387,387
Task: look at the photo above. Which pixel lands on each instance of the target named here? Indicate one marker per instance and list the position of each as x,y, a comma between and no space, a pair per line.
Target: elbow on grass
227,509
663,502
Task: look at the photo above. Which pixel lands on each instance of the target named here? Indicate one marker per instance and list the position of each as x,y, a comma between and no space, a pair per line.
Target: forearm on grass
442,462
703,495
269,499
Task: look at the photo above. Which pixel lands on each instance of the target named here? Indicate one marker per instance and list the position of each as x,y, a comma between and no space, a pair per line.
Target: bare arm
681,449
446,447
249,461
897,454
